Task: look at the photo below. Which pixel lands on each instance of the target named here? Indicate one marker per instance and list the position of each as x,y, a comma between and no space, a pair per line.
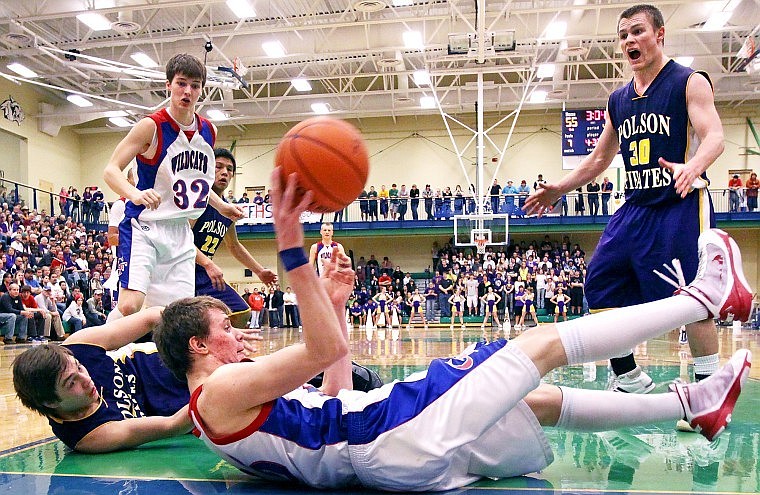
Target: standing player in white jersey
321,251
174,150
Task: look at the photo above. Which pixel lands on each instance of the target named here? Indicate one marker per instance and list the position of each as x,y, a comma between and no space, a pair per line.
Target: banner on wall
254,214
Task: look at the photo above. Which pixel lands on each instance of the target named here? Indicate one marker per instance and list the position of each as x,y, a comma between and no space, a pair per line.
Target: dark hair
35,375
225,153
25,288
654,14
181,320
187,65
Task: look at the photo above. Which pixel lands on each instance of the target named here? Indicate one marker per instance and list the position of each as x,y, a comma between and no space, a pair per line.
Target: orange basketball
330,158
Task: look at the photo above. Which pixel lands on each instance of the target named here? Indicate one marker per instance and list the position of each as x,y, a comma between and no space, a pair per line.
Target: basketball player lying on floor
100,401
439,429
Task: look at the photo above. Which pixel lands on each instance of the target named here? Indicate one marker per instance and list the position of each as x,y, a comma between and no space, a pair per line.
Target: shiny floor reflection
652,459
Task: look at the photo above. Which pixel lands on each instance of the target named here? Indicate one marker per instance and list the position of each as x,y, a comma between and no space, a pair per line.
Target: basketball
330,158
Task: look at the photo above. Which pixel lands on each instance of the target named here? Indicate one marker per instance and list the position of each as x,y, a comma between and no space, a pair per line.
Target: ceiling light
241,8
545,70
144,60
120,122
427,102
22,70
538,96
555,31
413,39
96,22
79,101
301,84
320,108
717,20
216,114
685,61
273,49
115,113
421,78
402,3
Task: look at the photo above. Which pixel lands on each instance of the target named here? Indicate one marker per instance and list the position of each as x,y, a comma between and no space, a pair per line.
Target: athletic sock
609,333
114,315
601,410
624,364
705,366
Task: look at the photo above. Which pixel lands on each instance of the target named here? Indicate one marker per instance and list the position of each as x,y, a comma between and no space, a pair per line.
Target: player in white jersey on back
175,170
321,251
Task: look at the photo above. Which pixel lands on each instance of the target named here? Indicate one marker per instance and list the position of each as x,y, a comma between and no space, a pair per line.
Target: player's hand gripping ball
330,158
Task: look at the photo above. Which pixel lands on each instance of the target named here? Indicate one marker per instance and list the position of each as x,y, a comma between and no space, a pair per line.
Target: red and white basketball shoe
708,404
720,284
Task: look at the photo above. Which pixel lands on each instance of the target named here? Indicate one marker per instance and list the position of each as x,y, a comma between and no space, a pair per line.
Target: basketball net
480,243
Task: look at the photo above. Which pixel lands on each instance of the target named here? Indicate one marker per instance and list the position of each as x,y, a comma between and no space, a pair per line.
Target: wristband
293,258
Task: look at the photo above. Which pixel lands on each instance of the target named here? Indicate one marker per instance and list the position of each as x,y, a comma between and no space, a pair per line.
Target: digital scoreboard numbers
581,130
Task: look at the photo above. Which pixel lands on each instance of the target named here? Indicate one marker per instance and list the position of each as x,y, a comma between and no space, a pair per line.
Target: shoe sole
741,290
717,424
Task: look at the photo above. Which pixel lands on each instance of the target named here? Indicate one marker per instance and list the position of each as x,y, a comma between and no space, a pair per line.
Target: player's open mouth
634,54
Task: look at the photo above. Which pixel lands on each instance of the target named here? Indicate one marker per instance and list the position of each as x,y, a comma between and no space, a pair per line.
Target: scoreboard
581,130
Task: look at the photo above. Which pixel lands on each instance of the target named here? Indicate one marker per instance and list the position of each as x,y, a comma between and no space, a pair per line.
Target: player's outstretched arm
600,158
118,333
129,433
229,210
240,387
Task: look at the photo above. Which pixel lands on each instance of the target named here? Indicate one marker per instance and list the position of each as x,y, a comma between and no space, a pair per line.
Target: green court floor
653,459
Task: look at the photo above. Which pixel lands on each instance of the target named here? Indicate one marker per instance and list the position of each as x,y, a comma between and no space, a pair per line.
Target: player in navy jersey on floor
209,230
174,152
665,124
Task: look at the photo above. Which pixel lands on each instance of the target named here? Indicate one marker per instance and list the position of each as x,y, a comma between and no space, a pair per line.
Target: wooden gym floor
653,459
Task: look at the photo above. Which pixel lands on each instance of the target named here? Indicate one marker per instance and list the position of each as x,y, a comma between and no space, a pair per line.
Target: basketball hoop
480,244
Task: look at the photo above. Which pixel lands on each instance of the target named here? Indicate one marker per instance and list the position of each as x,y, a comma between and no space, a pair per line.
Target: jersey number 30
198,186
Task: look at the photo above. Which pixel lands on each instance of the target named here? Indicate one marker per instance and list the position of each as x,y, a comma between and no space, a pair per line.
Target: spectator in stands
593,189
74,314
10,304
292,316
427,198
364,205
458,200
580,203
372,204
256,302
75,200
45,301
393,198
39,325
98,203
414,201
93,310
403,198
734,193
63,196
607,188
245,199
495,192
523,191
509,192
752,185
539,182
383,194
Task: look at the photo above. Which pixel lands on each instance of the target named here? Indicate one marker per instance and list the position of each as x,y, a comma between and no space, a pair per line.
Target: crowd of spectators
546,269
52,268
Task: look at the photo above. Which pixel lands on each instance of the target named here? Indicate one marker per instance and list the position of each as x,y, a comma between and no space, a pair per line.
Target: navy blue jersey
132,383
209,230
653,125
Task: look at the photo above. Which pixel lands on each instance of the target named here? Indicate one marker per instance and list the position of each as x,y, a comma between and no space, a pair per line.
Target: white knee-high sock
609,333
601,410
114,315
